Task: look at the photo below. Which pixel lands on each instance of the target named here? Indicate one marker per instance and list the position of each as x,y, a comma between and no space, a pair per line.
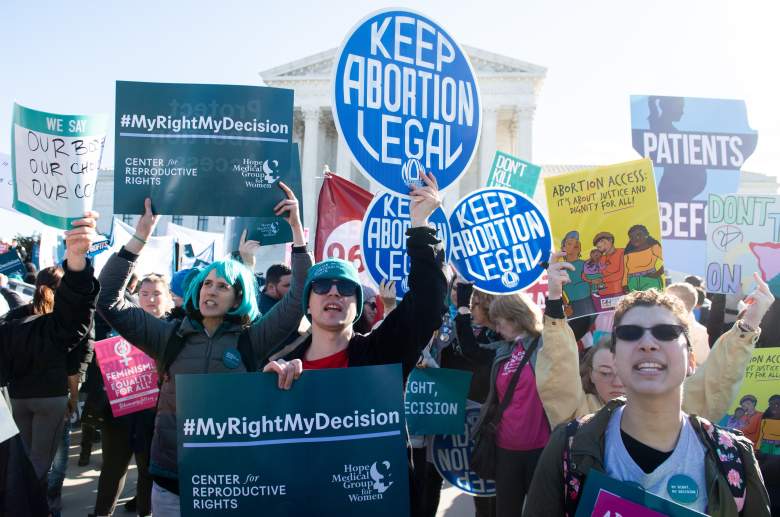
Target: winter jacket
546,495
201,353
34,349
478,360
11,298
709,392
404,333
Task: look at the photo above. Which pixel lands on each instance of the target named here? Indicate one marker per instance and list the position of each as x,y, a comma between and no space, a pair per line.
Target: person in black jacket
333,301
33,354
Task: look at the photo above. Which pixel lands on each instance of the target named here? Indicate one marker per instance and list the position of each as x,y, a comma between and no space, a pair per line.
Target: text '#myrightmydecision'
288,423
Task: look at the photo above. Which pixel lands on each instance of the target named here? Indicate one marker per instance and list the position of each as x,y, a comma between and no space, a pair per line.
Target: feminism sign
406,100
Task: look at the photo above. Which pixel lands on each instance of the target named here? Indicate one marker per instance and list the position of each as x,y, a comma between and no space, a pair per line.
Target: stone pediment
320,66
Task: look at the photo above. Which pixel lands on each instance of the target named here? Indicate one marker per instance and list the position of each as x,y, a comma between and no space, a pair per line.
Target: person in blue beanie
333,302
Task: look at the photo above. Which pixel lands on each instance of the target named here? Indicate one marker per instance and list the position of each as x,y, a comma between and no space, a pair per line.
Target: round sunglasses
344,287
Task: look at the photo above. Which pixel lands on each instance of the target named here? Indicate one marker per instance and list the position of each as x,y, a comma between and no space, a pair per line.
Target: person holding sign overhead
333,300
33,352
647,438
222,331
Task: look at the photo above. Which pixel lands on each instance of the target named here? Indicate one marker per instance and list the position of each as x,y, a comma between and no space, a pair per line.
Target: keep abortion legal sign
384,239
501,240
406,99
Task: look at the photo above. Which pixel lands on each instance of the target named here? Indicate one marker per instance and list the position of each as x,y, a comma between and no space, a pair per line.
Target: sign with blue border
384,239
501,240
406,99
450,455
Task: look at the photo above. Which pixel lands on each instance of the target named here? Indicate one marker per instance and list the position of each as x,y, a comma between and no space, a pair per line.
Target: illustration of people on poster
756,410
606,220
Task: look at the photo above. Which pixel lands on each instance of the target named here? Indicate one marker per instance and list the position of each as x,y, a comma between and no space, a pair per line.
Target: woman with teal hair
222,331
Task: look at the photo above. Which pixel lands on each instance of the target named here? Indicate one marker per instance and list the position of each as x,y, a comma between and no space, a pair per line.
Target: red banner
340,210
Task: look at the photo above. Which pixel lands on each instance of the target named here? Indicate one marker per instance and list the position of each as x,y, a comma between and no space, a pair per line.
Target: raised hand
79,239
143,229
424,200
758,303
557,275
247,249
289,209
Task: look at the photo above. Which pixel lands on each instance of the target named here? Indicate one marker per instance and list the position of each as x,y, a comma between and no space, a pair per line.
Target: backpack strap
246,351
572,480
170,351
727,456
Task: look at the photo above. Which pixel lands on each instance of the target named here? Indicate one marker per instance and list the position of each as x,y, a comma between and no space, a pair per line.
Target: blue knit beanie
333,269
181,280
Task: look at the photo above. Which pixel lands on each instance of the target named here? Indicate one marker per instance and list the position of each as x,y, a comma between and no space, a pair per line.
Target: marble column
310,168
487,143
523,132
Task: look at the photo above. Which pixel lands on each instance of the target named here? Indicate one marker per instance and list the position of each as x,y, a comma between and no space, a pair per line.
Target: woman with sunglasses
647,438
221,313
708,392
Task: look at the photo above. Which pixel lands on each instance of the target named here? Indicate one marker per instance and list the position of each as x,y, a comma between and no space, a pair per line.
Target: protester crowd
638,404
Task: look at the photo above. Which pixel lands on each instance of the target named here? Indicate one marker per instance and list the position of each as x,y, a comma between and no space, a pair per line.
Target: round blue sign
383,243
406,99
451,455
501,240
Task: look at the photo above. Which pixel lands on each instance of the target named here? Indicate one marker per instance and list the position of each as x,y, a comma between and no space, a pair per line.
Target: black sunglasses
372,305
662,332
344,287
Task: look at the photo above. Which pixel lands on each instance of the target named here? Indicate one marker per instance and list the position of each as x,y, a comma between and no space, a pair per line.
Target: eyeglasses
662,332
344,287
372,305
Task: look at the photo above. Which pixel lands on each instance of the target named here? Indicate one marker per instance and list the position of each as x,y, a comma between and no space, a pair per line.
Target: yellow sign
756,410
606,220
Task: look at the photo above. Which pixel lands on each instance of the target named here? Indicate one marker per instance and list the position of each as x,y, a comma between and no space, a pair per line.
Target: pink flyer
129,375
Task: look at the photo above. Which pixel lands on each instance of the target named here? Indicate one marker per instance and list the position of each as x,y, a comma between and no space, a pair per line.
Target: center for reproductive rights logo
406,99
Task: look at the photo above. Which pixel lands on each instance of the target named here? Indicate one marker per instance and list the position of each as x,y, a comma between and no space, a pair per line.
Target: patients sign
501,240
334,444
405,100
201,149
384,239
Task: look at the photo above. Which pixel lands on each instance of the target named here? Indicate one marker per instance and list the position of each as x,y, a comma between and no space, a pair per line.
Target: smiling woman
647,438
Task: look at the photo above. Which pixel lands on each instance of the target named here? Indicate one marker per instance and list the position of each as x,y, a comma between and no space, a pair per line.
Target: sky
65,57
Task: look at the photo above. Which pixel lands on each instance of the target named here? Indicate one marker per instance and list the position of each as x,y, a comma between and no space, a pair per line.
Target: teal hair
237,275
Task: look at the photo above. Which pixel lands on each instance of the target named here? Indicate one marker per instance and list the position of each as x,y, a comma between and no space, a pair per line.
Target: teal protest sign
199,149
55,161
269,229
436,400
335,441
603,495
511,172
